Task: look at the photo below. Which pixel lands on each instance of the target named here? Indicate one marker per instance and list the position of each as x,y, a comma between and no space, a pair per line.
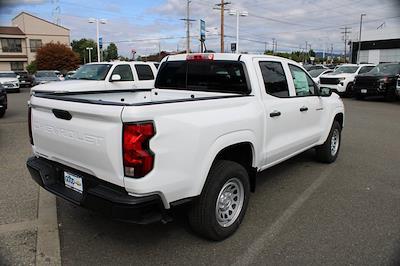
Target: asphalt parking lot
303,212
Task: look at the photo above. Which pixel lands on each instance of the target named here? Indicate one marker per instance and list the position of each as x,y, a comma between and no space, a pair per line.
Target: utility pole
359,39
345,32
273,46
221,7
305,52
331,53
187,20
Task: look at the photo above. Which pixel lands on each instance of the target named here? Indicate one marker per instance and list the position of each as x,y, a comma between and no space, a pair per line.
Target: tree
56,56
111,53
79,46
32,67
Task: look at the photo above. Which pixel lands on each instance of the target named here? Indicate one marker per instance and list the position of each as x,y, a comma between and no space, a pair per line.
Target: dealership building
378,46
20,41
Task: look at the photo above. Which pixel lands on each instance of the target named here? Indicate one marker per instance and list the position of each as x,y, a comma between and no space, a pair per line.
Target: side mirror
115,77
325,92
18,76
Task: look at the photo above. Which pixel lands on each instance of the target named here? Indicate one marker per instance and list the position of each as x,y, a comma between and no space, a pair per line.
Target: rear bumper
98,195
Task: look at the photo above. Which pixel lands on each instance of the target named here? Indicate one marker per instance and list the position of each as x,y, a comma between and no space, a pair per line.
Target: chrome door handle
304,109
275,113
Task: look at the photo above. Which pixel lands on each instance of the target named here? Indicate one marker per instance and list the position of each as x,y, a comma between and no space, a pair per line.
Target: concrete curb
48,241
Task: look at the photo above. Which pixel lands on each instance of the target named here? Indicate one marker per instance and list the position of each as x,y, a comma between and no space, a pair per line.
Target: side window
124,71
365,69
274,79
302,82
144,72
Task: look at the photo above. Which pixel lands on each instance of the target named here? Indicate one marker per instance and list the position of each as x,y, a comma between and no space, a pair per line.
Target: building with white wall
378,46
19,42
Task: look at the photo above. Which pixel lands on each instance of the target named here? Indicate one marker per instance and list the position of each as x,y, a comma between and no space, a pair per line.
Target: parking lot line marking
21,226
272,231
48,241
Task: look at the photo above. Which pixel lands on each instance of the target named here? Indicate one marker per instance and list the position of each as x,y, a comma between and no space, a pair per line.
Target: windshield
8,75
316,72
214,76
45,74
92,72
346,69
386,69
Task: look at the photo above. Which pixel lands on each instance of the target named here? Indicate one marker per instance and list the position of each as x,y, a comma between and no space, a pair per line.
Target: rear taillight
30,124
137,156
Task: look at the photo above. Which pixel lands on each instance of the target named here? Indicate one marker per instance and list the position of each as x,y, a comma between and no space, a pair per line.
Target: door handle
303,109
275,113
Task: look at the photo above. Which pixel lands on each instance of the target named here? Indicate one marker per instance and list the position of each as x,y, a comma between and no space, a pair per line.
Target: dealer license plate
364,91
73,182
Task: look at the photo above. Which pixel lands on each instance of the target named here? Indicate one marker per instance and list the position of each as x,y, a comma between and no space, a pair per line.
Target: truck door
145,76
281,137
126,81
309,107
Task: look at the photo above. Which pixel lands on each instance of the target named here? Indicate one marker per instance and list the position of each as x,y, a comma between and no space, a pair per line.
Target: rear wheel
328,152
220,208
2,112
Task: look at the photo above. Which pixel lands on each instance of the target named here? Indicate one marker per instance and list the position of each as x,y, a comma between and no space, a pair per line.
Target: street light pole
97,21
359,39
238,14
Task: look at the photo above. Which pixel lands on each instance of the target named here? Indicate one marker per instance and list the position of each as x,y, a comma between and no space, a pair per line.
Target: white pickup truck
199,137
118,75
341,80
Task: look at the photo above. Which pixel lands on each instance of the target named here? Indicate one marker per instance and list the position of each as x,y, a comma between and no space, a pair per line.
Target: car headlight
342,79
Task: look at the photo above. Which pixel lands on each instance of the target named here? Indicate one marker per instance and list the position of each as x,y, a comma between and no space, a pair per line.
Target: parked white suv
200,136
118,75
341,80
9,80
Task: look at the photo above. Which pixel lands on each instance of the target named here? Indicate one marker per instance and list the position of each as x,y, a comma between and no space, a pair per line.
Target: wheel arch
237,146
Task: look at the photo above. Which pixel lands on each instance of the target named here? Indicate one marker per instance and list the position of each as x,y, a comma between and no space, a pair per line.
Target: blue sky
147,26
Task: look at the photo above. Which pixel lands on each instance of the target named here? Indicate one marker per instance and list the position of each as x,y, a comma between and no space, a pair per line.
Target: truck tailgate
86,137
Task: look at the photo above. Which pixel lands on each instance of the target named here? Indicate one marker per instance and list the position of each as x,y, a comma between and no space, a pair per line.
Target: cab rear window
214,76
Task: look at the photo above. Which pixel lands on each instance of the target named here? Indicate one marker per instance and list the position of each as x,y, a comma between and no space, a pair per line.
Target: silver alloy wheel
335,142
229,202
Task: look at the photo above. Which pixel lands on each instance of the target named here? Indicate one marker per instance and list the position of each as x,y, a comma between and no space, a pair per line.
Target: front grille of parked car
366,82
330,81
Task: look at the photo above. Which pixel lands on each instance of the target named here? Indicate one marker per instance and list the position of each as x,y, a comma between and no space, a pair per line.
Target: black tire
390,96
349,90
2,112
202,216
324,151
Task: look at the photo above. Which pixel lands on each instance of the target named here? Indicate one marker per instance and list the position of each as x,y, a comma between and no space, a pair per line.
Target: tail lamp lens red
137,156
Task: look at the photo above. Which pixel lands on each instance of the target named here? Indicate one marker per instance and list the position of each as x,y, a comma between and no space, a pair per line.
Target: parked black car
381,80
3,101
25,80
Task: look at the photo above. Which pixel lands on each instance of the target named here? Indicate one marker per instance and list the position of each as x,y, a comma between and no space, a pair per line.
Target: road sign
202,30
101,42
233,47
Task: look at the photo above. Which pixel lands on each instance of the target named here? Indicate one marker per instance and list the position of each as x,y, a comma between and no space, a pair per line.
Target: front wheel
2,112
349,90
220,208
328,152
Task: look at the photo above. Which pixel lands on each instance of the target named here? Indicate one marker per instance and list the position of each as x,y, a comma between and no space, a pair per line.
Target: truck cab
105,76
